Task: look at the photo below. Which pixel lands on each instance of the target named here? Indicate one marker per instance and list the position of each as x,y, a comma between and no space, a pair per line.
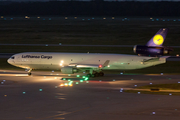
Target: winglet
106,63
158,38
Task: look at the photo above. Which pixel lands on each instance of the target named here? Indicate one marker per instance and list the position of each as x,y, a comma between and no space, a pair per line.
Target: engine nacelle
151,50
69,70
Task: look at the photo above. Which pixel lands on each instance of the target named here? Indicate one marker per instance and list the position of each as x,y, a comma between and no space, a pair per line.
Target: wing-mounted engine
69,70
143,50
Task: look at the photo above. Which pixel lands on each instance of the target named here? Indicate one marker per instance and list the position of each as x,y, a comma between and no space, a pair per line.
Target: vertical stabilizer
158,38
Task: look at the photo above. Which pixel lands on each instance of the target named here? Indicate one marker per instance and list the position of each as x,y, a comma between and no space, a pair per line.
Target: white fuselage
54,61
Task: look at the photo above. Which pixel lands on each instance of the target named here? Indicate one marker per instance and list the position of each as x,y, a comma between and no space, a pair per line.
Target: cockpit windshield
12,57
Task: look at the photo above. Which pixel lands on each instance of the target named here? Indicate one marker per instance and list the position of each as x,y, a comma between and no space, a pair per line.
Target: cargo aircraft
94,63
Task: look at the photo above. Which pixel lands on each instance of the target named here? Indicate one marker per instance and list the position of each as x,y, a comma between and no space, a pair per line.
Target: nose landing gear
29,71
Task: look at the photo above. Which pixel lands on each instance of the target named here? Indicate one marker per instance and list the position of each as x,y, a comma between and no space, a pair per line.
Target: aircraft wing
146,61
100,66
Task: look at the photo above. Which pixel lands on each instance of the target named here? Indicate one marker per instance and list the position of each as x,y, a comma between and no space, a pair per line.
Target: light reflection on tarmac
41,97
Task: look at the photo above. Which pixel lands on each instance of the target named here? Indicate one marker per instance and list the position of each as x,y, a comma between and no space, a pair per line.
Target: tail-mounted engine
143,50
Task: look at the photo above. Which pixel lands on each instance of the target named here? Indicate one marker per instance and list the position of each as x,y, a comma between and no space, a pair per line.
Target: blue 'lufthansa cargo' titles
34,56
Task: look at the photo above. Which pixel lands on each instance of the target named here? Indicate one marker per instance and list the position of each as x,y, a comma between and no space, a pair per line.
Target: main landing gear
95,74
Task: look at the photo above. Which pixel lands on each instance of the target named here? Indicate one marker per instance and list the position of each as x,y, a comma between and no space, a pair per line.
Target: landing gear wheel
29,73
101,74
90,75
96,74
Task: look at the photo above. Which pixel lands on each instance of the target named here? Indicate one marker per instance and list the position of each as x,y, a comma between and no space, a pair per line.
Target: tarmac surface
42,96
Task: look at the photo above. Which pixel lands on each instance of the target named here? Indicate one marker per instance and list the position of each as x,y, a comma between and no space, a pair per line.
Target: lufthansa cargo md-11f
69,63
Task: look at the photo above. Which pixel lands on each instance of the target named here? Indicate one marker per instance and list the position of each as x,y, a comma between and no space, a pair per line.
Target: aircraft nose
9,61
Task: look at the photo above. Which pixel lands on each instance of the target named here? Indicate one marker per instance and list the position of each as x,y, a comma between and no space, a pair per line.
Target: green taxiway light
77,83
69,79
24,92
87,81
69,75
40,89
81,80
83,76
64,78
70,82
86,78
77,75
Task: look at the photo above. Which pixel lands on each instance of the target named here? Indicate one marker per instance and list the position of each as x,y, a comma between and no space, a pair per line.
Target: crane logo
158,39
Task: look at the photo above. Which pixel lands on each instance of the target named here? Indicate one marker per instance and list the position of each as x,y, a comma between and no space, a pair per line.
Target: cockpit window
12,57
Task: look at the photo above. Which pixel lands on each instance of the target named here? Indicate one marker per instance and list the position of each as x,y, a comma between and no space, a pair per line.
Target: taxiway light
131,79
99,80
178,82
161,73
49,18
153,113
64,78
86,78
177,55
2,82
81,80
66,17
44,76
70,85
169,78
114,80
139,92
40,89
2,17
77,83
5,95
170,94
24,92
77,75
38,17
112,17
55,86
150,83
121,73
135,85
83,76
121,90
65,84
87,81
52,70
69,75
61,84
